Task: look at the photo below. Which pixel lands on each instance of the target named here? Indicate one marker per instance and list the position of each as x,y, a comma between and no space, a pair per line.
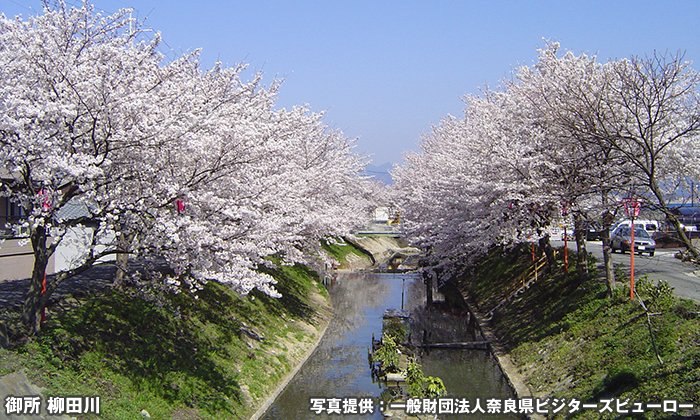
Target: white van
650,226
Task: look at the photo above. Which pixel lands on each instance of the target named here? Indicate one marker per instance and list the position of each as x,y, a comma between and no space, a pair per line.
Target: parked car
650,226
593,231
622,237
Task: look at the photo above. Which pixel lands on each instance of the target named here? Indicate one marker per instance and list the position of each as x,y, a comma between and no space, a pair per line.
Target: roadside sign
632,206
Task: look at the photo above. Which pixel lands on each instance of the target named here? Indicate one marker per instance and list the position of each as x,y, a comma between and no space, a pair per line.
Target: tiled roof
73,210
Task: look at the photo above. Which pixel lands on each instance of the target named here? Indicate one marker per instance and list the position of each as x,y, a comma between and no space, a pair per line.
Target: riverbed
337,374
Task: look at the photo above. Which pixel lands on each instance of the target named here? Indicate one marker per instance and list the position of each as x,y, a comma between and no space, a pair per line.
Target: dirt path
95,280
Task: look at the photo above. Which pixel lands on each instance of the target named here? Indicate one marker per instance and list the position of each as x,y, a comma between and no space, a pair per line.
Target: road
662,266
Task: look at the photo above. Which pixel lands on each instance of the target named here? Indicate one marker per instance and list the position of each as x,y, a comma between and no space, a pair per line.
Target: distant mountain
380,173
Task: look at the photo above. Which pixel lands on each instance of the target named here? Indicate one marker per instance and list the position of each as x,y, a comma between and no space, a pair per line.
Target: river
337,374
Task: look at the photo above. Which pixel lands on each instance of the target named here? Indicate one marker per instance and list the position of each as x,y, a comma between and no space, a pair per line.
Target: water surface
339,367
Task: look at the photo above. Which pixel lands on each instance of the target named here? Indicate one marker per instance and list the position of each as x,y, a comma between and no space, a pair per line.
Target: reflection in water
469,374
352,295
339,367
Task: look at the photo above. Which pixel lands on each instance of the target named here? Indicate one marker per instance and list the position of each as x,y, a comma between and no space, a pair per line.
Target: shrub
394,328
388,354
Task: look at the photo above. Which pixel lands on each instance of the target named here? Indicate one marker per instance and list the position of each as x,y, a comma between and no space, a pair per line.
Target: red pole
632,261
566,252
43,290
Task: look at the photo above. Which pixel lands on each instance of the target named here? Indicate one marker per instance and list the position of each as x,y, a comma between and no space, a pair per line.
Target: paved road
96,279
662,266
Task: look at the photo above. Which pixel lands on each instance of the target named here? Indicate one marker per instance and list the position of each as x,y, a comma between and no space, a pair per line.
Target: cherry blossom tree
654,122
637,119
475,184
195,166
301,186
567,132
564,93
75,96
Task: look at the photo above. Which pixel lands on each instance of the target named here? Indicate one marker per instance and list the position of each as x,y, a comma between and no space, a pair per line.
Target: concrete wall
71,251
16,262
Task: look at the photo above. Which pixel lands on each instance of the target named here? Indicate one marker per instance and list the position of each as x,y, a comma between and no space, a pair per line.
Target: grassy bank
570,341
345,252
212,354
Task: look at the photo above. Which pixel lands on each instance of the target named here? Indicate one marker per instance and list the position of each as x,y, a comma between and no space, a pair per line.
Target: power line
23,6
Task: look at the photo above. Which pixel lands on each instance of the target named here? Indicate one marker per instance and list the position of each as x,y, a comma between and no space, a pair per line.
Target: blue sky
385,71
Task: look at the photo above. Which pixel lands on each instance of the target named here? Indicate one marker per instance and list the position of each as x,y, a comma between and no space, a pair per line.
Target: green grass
571,341
340,249
182,356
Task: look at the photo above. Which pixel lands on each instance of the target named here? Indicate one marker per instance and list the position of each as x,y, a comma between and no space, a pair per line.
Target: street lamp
632,207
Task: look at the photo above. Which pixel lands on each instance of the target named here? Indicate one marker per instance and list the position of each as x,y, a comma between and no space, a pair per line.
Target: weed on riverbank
340,250
212,354
570,341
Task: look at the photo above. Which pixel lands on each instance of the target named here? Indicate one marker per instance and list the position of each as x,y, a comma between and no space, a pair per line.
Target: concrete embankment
379,250
455,299
324,313
383,248
18,385
503,358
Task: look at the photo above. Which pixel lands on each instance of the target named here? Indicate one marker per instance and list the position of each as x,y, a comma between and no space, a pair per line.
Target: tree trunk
682,236
122,259
607,220
34,302
582,256
674,220
548,251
